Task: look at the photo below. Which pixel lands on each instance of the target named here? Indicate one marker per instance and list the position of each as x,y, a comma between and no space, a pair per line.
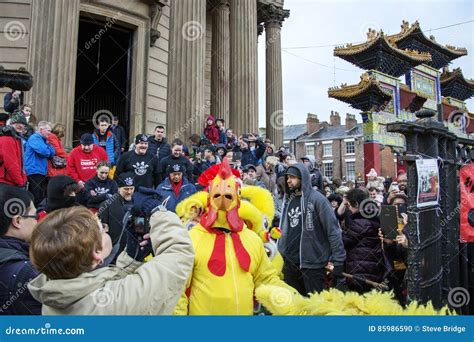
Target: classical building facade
147,61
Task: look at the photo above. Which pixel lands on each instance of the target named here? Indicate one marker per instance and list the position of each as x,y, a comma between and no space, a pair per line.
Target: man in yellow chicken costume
230,259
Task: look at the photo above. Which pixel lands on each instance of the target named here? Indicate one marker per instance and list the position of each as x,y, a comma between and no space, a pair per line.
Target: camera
141,225
136,223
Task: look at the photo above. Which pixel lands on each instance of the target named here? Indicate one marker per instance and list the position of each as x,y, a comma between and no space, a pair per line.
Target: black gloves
339,281
337,271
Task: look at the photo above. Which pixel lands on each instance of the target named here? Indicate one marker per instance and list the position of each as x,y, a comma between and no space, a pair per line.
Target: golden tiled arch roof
349,91
415,29
380,37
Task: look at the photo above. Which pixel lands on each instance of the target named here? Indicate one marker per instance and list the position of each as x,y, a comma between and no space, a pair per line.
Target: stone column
273,18
243,66
220,61
52,57
185,103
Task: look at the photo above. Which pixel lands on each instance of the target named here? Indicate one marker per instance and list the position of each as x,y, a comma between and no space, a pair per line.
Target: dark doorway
103,75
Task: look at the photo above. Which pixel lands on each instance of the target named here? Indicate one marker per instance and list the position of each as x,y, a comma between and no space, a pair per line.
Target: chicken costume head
222,216
223,201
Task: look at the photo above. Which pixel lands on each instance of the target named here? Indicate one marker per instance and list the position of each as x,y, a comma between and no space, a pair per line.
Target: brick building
338,147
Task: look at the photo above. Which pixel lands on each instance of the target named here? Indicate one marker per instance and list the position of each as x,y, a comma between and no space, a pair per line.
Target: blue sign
241,329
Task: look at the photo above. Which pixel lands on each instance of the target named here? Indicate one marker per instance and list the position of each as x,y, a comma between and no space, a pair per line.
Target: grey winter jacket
321,238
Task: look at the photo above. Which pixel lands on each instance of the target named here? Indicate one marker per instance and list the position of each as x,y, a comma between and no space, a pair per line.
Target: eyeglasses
30,216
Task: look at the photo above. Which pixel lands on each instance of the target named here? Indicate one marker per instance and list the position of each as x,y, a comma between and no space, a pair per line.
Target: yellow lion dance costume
230,259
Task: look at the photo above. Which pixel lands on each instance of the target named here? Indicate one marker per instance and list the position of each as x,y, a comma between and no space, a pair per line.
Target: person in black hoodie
101,187
140,161
177,157
113,210
157,144
310,234
61,193
17,222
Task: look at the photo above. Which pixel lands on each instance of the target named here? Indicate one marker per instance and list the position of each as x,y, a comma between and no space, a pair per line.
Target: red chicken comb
223,170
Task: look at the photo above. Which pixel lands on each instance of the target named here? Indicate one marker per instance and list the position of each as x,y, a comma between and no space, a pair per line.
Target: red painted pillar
371,157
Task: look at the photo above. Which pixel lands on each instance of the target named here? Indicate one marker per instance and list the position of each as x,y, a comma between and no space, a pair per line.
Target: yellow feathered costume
280,301
230,259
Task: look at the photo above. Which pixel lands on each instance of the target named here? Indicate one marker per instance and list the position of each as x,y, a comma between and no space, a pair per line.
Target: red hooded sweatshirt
81,166
12,170
211,132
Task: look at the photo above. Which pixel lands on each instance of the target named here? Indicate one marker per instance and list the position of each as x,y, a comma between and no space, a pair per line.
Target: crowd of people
73,207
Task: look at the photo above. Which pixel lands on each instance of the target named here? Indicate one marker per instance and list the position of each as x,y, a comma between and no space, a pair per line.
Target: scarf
177,187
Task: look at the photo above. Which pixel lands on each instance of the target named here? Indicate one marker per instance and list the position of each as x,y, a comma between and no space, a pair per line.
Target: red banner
467,203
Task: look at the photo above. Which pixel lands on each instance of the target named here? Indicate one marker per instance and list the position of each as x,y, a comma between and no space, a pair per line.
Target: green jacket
131,287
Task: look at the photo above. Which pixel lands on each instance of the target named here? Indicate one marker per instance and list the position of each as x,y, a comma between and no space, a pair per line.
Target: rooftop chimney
351,121
335,119
312,123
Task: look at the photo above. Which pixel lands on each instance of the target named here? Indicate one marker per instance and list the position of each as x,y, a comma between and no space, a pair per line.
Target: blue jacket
112,146
165,190
16,271
37,153
159,148
222,137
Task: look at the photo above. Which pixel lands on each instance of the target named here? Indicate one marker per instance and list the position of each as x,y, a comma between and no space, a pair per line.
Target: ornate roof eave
381,38
354,94
456,74
455,85
415,31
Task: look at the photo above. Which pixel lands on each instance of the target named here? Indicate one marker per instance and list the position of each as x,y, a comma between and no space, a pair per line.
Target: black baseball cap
294,171
141,138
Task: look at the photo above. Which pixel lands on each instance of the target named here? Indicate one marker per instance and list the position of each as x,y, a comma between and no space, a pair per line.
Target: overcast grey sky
306,78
